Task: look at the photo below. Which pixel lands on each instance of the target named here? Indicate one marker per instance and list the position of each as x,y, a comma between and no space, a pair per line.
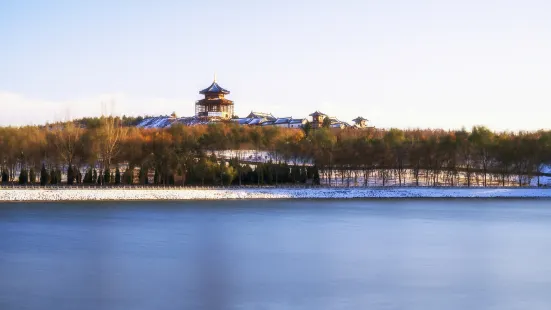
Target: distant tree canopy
95,122
93,150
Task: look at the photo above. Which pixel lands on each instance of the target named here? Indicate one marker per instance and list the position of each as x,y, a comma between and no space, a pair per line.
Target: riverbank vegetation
111,151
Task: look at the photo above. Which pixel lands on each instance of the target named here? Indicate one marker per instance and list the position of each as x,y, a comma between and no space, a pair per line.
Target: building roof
242,121
214,88
268,116
283,120
167,121
335,122
359,119
156,122
340,124
256,121
298,120
317,113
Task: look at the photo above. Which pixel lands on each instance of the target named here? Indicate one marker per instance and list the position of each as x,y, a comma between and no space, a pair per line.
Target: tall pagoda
214,106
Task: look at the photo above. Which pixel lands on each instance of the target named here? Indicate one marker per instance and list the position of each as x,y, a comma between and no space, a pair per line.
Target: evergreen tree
117,176
23,177
5,176
156,177
269,173
141,176
32,176
58,176
295,172
88,176
129,176
107,176
303,175
78,176
70,175
44,176
94,176
53,177
316,179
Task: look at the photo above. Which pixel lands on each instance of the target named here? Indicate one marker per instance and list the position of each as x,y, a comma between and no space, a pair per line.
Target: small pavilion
317,119
360,122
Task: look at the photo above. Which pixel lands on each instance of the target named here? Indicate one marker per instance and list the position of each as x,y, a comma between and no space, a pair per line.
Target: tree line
111,150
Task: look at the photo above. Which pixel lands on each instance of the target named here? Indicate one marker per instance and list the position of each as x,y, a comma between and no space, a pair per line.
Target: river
292,254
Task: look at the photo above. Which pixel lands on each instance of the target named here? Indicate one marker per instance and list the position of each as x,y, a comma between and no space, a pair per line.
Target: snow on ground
259,156
375,179
265,193
545,180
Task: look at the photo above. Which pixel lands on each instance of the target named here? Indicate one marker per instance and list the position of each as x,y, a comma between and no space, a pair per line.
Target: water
363,254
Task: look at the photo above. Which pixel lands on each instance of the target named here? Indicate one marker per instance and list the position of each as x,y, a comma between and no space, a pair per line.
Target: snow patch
265,193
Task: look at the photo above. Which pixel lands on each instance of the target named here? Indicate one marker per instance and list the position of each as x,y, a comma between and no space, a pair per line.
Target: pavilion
214,106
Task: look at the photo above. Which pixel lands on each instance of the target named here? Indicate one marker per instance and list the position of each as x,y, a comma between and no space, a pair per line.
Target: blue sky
399,63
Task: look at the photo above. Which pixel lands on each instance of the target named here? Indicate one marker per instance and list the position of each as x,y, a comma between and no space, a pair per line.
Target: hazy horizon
403,64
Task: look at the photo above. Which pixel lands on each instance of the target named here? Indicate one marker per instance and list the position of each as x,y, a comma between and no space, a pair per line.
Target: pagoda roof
359,119
214,88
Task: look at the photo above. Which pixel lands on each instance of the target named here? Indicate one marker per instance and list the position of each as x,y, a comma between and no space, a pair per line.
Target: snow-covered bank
266,193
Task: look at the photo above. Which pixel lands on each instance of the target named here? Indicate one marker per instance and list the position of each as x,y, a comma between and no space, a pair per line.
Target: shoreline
185,194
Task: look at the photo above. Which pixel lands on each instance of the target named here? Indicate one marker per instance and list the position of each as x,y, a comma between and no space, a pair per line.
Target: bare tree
108,139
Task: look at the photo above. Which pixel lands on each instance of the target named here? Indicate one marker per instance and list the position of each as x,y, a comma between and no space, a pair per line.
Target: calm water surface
363,254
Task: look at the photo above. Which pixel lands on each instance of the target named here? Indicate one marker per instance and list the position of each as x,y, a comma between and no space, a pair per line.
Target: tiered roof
214,88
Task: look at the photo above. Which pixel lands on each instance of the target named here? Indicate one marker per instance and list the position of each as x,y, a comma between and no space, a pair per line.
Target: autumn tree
44,176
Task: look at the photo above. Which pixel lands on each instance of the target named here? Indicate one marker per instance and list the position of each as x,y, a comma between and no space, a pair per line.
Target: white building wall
285,125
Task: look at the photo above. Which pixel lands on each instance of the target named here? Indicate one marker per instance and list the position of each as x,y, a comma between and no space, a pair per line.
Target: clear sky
399,63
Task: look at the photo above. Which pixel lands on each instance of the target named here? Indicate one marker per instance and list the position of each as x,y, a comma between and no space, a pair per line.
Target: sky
399,63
